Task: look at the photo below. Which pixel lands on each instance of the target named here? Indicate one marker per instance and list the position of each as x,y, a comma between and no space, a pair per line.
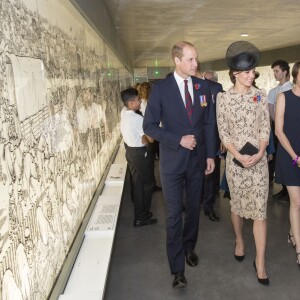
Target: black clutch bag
248,149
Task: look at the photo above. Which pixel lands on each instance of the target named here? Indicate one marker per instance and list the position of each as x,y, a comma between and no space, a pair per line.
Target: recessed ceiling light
244,34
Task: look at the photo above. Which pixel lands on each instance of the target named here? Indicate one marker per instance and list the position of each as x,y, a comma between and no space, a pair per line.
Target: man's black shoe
179,281
191,258
157,188
285,199
227,195
139,223
278,196
149,214
211,215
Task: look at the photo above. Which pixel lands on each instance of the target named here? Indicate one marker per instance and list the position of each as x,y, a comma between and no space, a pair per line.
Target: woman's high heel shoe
264,281
290,241
297,260
238,257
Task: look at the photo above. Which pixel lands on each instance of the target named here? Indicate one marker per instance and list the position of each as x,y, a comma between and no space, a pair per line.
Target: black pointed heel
264,281
290,241
297,260
238,257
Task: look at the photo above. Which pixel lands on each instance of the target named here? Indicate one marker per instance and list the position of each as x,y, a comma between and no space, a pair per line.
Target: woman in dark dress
287,170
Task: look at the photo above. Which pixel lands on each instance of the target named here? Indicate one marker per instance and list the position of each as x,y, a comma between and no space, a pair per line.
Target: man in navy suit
212,181
181,103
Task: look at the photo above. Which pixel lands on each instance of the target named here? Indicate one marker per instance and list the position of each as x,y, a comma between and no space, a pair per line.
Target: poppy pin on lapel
197,86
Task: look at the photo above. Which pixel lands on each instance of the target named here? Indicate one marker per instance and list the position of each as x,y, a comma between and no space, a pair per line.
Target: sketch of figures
59,125
43,225
58,132
67,222
29,88
30,174
82,119
23,272
98,126
10,290
4,216
96,115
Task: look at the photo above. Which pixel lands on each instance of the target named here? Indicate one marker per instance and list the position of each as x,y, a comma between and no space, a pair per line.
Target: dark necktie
188,100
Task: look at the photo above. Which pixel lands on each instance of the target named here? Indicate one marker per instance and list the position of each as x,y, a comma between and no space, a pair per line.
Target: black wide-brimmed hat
242,56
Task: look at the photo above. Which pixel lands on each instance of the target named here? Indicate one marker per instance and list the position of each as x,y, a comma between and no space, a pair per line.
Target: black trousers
211,187
142,179
182,236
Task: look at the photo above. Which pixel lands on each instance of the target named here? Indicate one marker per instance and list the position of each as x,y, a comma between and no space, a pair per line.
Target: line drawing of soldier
4,215
10,289
23,272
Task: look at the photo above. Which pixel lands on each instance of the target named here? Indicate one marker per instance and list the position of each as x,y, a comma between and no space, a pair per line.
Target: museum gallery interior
66,210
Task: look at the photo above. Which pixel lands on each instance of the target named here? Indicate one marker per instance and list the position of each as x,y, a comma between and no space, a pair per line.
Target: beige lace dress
241,119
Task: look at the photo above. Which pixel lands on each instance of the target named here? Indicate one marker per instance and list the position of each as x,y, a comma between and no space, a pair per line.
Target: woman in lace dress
242,116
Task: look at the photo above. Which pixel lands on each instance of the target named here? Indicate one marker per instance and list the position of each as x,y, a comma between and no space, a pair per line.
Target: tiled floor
139,267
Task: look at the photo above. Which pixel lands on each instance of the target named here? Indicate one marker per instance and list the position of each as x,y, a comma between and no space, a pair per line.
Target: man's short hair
214,75
178,49
128,95
283,65
198,66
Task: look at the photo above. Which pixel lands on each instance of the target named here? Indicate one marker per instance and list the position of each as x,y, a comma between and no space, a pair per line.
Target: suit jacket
166,106
215,89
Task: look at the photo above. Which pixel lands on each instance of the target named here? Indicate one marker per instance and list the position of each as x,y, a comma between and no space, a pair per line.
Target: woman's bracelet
295,161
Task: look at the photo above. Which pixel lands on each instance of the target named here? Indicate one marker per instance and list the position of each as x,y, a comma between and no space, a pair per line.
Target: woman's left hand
298,162
254,159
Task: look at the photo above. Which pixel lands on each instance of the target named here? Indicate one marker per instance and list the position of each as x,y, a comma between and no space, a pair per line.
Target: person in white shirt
138,157
281,71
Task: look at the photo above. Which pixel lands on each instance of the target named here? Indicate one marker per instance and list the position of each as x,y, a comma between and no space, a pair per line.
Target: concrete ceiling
149,28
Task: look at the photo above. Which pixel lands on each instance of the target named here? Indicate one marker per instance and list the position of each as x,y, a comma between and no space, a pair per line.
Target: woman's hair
295,71
136,85
231,76
144,90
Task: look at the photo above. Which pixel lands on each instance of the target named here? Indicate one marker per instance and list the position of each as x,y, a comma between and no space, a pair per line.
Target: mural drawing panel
59,125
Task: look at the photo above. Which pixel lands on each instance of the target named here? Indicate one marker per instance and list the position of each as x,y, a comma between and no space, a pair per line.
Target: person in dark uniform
212,181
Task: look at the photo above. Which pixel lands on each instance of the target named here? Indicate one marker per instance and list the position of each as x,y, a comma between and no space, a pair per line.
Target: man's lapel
197,88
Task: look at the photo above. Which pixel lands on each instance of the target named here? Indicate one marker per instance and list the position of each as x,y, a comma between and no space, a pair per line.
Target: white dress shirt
132,128
180,83
143,106
273,93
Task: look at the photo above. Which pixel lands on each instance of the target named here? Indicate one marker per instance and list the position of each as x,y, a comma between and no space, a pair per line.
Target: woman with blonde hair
144,93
